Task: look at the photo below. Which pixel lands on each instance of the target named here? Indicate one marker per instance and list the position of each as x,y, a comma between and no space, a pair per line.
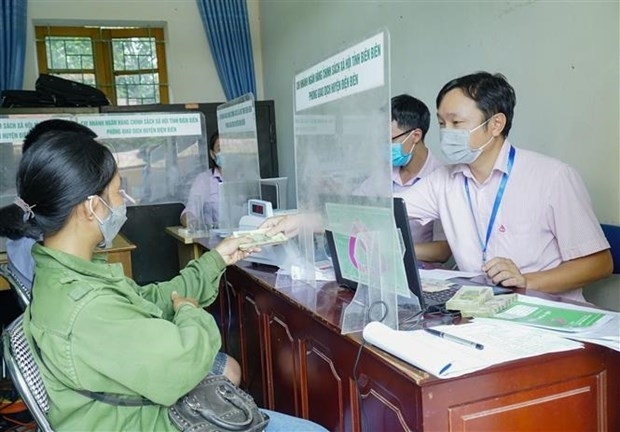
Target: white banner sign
14,129
237,118
142,125
356,69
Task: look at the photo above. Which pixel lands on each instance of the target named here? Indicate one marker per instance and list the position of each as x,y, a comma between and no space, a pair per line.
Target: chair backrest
156,256
23,292
612,232
24,373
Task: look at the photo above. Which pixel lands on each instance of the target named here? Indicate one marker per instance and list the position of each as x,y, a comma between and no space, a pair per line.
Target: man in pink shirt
411,160
522,218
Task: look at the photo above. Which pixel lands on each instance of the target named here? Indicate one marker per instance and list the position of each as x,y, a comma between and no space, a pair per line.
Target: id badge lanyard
496,204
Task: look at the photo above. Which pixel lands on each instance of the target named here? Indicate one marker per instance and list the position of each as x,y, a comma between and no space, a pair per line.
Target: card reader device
258,211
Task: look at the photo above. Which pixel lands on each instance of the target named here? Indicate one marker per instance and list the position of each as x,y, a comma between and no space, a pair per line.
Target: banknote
474,301
258,238
468,297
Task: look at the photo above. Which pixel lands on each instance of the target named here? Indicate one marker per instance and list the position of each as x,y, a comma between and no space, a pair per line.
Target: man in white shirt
522,218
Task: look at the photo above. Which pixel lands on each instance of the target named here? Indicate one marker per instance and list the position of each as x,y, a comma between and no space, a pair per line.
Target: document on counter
445,358
604,329
552,316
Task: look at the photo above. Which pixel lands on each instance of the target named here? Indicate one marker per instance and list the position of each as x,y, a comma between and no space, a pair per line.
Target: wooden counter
188,247
295,360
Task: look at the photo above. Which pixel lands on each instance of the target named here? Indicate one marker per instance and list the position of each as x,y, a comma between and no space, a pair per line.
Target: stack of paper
447,359
564,319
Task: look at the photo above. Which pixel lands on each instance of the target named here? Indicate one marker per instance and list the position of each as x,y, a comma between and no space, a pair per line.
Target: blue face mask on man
399,157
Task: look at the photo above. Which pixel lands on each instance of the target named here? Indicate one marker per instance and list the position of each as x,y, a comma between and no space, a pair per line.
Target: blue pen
445,368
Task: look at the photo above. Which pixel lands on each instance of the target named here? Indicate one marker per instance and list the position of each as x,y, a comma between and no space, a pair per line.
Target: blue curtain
12,44
228,32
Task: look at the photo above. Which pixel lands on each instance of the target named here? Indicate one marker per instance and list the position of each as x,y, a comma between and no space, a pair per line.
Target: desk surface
177,233
328,302
294,359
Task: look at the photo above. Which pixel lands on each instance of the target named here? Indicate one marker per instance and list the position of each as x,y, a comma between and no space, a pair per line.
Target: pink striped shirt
421,233
545,217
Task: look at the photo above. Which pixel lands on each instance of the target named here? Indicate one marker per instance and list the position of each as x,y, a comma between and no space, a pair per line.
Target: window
127,64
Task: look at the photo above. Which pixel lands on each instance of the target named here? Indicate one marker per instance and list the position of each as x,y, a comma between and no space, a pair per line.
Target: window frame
101,38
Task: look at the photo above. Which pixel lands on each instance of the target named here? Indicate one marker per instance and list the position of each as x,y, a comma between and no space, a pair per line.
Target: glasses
402,134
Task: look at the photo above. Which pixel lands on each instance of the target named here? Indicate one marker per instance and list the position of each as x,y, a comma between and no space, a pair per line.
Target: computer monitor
409,259
274,190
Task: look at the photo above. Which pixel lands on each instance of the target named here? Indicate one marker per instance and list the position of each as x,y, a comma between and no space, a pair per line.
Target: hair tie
28,213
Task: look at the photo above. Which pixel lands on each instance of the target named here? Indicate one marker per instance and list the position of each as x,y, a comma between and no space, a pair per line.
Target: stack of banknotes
479,301
258,238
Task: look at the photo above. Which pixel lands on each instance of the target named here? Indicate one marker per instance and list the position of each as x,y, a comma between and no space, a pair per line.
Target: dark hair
492,94
410,113
212,140
60,170
54,125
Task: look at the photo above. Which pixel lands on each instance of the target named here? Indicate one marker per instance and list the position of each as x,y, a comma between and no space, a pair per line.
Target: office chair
612,232
23,292
24,373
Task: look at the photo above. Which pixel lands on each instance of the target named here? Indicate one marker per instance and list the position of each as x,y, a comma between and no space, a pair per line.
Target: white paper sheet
446,359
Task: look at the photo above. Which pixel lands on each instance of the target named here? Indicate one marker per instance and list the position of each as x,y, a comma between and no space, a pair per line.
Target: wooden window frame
103,70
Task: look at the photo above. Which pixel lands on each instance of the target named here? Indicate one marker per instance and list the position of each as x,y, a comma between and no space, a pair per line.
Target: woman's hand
178,301
230,252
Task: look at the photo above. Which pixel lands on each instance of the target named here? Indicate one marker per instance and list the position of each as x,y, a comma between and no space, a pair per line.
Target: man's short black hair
491,92
410,113
59,125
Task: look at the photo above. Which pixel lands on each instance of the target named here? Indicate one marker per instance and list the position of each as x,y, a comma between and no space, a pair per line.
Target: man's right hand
289,225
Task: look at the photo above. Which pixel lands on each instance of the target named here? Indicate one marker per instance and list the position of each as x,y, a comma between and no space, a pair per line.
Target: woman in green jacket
96,329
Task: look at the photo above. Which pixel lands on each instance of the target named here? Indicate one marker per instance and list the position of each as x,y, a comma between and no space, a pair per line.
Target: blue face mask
218,159
400,158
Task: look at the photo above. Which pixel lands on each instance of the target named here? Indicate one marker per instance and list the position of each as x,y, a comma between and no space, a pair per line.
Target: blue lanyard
498,200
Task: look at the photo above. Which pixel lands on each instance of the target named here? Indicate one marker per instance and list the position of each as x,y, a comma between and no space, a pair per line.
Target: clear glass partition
158,154
342,146
13,130
236,122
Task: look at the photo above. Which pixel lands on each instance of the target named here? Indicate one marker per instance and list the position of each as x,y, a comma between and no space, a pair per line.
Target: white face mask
455,144
111,225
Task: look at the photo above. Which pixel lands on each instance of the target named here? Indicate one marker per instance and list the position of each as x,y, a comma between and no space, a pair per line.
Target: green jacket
98,330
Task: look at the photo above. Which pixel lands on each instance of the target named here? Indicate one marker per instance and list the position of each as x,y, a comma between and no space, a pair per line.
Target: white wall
191,71
561,57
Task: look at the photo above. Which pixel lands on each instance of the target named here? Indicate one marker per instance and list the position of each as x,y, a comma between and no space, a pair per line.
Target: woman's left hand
230,252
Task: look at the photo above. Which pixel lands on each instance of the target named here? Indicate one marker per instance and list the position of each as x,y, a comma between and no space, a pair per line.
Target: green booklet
555,318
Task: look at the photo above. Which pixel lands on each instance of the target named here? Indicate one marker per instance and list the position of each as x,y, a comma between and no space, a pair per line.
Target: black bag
67,93
25,99
216,404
